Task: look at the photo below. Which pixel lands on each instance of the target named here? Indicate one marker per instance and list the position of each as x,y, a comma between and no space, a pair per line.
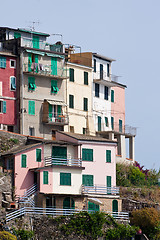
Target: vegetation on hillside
6,236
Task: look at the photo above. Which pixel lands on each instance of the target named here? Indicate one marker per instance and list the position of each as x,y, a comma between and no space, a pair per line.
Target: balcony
105,78
53,119
44,70
49,161
100,190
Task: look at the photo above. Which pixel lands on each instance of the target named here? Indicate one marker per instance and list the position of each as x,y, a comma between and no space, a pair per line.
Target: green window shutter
31,107
107,69
71,75
87,154
45,177
38,155
35,41
85,104
93,206
105,92
17,35
94,65
87,180
106,121
29,62
112,95
23,160
112,123
4,107
59,152
13,83
71,101
59,110
86,78
31,84
108,156
120,125
54,65
109,181
96,90
65,179
2,62
54,88
36,61
99,123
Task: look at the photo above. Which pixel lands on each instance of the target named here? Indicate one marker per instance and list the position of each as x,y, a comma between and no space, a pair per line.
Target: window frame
13,90
112,96
106,93
85,104
87,154
38,151
33,112
23,161
85,78
3,107
63,179
97,92
86,176
71,77
45,182
94,65
71,97
14,63
4,63
108,156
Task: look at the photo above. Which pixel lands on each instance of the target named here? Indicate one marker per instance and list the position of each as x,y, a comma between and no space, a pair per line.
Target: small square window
12,63
13,83
31,131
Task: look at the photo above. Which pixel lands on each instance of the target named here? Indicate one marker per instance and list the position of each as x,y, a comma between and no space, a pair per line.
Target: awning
95,200
54,55
57,102
35,52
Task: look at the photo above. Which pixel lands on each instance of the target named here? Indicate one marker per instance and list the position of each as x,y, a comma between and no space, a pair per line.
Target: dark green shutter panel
50,112
120,125
36,61
106,121
71,75
13,83
108,181
54,65
87,180
31,84
87,154
29,62
112,95
2,62
114,206
93,206
4,107
35,42
99,123
112,123
107,69
105,92
38,155
59,152
86,78
108,156
54,88
65,179
31,107
71,101
17,35
85,104
23,161
45,177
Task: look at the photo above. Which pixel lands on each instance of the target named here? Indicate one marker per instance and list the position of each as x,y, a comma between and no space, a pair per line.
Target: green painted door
35,42
114,206
54,65
29,62
109,184
93,207
68,203
99,123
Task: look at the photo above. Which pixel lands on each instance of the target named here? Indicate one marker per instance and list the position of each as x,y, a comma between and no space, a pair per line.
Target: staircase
28,197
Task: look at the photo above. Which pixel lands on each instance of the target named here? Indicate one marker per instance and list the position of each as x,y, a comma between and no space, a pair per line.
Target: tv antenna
32,27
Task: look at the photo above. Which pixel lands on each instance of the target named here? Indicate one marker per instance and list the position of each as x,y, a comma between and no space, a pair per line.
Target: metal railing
41,69
64,162
130,130
57,119
98,189
58,212
105,76
27,197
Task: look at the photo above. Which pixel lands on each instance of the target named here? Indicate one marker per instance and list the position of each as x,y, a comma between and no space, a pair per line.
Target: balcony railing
98,189
41,69
63,162
130,130
51,118
105,76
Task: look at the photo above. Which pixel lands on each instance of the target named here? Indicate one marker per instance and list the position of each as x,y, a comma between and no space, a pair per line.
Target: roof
84,137
25,30
103,57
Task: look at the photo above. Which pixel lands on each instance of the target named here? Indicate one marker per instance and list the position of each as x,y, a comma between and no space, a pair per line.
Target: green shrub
121,232
24,234
6,236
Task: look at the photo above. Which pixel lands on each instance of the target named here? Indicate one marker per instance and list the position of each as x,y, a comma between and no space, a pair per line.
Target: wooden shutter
109,181
35,42
99,123
71,75
106,121
23,160
120,125
29,62
71,101
86,78
105,92
2,62
45,177
31,84
87,180
65,179
108,156
112,95
85,104
54,65
13,83
107,69
38,155
31,107
59,152
112,123
101,71
54,88
96,90
4,107
87,154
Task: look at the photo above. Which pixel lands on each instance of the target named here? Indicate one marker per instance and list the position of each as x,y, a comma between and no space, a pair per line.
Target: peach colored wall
118,107
23,177
99,168
46,188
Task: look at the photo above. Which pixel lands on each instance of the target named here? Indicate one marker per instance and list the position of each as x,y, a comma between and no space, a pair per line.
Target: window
87,154
38,155
120,125
94,65
112,123
105,93
31,107
107,69
12,83
36,42
23,160
12,63
54,65
85,104
101,71
72,129
45,177
96,90
84,131
54,88
87,180
112,95
17,35
108,156
2,106
31,131
109,181
2,62
106,121
71,101
65,179
31,84
71,75
99,123
86,78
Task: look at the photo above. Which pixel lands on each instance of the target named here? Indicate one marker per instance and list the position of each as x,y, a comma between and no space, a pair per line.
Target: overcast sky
126,30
